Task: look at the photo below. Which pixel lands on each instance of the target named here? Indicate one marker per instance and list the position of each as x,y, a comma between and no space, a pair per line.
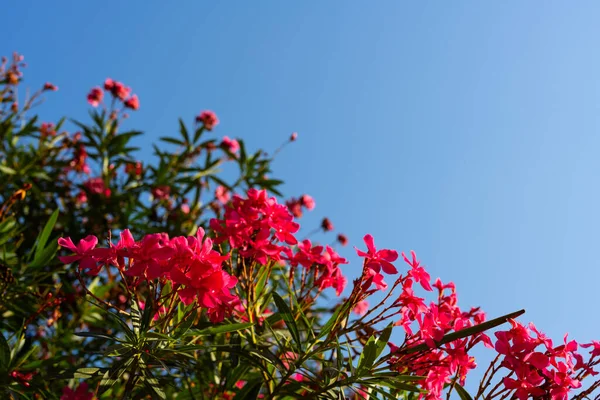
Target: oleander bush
166,279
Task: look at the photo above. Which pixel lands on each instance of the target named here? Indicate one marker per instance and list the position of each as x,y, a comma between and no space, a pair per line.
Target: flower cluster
424,324
190,264
119,92
256,226
539,368
295,205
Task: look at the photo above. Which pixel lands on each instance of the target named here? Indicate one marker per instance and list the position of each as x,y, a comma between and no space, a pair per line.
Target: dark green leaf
468,331
45,234
288,318
462,392
4,355
214,330
184,131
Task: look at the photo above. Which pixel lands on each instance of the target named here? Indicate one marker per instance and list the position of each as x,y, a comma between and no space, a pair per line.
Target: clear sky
467,131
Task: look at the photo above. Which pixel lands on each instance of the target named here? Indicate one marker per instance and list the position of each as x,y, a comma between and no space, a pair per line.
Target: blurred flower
50,86
208,119
95,96
133,102
326,225
230,144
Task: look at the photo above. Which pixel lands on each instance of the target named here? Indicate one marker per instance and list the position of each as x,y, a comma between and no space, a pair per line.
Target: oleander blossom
95,96
230,145
208,119
537,366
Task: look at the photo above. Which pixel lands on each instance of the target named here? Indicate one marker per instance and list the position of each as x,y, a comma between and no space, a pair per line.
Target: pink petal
88,243
67,243
388,268
370,243
388,255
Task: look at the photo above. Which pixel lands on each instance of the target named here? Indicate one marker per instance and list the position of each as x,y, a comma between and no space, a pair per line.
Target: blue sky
467,131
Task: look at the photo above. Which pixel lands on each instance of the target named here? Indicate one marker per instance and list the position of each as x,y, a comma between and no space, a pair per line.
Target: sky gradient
467,131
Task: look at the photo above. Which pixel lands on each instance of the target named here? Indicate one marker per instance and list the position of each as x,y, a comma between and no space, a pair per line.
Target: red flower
133,102
134,168
109,84
293,137
81,393
95,96
120,91
161,192
342,239
96,186
22,377
208,119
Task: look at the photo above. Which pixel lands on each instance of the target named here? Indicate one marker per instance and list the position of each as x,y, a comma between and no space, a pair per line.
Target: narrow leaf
288,318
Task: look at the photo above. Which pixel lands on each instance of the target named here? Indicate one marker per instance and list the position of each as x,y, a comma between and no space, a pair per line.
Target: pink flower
96,186
81,393
84,253
95,96
185,208
361,308
231,145
307,201
161,192
50,86
417,272
377,260
208,119
133,102
222,194
120,91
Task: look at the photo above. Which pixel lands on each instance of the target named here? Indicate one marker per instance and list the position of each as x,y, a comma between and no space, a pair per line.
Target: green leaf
288,318
462,392
136,317
152,383
148,313
383,339
85,373
249,391
4,355
186,325
373,349
95,336
214,330
468,331
172,140
198,133
7,170
45,235
184,131
46,255
334,319
367,357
